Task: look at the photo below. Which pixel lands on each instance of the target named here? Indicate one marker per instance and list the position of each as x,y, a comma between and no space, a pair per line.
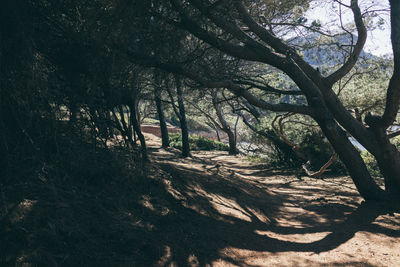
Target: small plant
197,143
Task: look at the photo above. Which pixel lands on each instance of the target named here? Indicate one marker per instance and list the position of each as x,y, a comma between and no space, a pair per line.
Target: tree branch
268,88
236,89
393,92
262,53
362,37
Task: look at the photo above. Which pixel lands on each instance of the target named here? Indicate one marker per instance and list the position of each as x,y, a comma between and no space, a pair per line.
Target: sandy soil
239,213
208,210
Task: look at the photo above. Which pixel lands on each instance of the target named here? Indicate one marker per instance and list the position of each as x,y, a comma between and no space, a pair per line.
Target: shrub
396,141
314,147
371,163
318,150
197,143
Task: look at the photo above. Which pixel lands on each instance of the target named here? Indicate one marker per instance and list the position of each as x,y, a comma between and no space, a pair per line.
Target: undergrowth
197,143
80,206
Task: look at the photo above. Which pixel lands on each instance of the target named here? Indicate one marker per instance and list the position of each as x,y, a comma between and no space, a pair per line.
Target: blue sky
327,12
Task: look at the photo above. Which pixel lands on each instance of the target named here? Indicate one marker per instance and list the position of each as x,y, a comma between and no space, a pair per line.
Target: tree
180,112
250,32
216,115
160,111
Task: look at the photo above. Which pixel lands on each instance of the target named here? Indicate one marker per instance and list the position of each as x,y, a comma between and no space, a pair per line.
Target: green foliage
396,141
313,146
370,160
197,143
281,154
272,150
150,121
371,163
317,148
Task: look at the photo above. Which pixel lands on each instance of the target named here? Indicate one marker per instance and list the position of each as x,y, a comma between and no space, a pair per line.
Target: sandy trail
237,213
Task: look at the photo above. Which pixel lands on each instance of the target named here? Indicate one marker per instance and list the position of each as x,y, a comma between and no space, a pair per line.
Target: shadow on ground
180,212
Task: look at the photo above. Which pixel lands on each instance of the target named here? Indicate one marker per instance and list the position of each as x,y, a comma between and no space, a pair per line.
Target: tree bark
182,119
225,126
136,128
388,159
323,104
351,158
161,117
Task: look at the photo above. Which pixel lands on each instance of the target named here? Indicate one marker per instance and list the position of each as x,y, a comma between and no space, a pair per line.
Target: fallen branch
323,168
296,147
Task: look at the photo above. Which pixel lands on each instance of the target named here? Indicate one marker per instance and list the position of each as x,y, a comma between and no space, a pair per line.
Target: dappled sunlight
145,200
388,222
244,257
276,218
298,217
165,259
22,210
298,238
229,207
198,212
192,261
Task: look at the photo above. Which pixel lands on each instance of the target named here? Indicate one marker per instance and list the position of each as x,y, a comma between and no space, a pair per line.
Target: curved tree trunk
388,159
225,126
351,158
322,102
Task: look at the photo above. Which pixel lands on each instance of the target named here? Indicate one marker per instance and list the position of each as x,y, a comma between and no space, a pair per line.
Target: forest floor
211,209
245,214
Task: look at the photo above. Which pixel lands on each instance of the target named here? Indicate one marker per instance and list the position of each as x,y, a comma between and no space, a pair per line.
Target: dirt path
229,212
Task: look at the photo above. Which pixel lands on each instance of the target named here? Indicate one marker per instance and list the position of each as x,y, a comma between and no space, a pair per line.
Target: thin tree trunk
161,118
217,132
225,126
136,127
120,128
137,113
126,128
73,112
182,119
215,128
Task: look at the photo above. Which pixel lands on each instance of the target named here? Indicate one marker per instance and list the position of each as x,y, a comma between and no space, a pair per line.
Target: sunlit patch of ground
293,222
210,209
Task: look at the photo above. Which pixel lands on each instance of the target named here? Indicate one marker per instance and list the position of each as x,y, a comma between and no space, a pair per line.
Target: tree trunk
232,143
136,128
73,112
388,159
182,119
126,128
161,118
351,158
225,126
389,165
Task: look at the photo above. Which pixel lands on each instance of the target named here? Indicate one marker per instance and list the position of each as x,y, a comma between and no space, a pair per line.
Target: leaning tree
261,31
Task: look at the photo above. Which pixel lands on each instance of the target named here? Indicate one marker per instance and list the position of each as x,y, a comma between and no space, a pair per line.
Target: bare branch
276,43
352,59
322,169
268,88
296,147
235,88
